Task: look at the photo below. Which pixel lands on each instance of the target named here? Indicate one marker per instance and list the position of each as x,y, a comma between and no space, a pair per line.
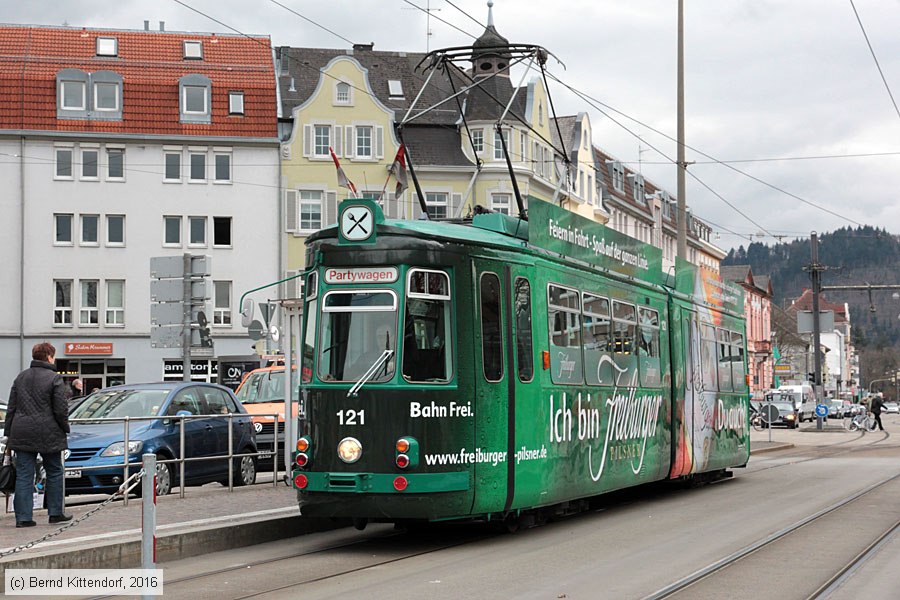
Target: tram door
491,376
686,356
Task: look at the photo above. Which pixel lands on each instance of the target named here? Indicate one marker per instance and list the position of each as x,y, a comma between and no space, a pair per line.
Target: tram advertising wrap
498,367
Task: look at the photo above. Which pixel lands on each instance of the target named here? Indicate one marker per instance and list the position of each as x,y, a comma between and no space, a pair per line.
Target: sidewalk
207,519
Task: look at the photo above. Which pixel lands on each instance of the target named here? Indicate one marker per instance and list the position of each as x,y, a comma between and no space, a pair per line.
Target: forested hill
854,256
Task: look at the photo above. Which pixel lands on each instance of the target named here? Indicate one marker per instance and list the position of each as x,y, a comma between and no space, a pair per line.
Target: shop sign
76,348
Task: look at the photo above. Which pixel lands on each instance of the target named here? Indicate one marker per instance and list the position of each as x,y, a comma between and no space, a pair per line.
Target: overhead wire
875,58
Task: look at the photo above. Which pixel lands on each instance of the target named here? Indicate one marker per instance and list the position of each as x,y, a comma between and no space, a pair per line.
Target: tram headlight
349,450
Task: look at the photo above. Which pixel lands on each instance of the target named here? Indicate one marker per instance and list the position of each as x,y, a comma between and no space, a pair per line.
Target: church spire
488,51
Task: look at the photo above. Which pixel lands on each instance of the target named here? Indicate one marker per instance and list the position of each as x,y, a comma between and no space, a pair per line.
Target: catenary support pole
148,515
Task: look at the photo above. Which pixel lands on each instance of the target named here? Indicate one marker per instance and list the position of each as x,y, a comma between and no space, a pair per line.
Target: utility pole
682,203
815,269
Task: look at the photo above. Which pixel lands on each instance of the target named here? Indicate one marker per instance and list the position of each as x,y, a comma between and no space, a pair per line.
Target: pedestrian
877,405
37,422
76,389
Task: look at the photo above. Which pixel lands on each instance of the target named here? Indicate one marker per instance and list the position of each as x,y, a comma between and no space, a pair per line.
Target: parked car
892,407
836,409
262,393
98,443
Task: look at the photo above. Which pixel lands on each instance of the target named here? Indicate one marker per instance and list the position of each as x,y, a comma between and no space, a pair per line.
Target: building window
500,203
106,96
89,158
540,114
173,166
63,224
322,140
364,142
72,95
193,50
115,164
522,146
171,231
498,144
478,140
64,163
436,203
342,93
198,167
222,231
62,304
395,88
115,303
310,210
223,168
222,303
107,46
197,227
89,313
90,226
115,230
236,103
194,100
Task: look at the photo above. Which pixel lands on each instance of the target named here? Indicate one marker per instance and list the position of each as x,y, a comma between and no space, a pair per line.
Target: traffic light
205,339
811,377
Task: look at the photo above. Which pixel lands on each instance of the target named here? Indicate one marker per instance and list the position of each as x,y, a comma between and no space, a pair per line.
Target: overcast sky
764,79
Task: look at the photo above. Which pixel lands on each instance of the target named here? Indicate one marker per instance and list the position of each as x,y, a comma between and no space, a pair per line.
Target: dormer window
193,50
342,93
107,46
194,94
106,96
617,174
637,187
72,95
395,88
540,114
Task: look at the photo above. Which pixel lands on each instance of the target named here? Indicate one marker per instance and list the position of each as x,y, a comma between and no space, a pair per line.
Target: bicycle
757,421
863,421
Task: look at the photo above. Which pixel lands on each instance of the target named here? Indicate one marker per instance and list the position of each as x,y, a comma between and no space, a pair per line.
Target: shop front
92,362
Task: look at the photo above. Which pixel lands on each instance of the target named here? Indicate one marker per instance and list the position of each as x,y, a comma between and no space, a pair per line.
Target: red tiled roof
150,63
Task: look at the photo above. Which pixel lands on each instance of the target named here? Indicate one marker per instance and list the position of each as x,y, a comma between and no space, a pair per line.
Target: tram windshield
357,327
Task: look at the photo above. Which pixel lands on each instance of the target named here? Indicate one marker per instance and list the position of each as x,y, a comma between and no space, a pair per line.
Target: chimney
162,25
368,46
146,25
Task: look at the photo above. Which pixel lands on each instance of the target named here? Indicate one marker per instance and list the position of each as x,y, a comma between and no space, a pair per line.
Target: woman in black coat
37,421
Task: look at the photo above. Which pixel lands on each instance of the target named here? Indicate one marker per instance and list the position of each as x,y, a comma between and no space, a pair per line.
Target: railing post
275,456
181,458
148,515
231,453
127,462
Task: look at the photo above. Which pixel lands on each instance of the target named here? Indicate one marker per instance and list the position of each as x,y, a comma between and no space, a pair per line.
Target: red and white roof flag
399,170
342,178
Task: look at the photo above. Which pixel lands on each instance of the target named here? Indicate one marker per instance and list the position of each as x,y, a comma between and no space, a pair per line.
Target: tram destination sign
565,232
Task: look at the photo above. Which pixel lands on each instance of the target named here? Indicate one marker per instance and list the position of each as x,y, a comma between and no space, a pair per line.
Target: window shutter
330,212
350,147
379,142
455,203
415,209
391,208
307,140
291,288
290,210
338,140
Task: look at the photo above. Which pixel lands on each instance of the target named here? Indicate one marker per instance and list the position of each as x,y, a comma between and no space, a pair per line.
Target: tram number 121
349,417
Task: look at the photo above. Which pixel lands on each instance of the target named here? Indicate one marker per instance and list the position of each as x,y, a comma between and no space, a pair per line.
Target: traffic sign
169,313
166,290
166,266
166,337
821,410
256,330
769,413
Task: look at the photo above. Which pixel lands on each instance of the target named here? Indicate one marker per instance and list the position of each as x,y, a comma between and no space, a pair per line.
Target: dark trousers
24,501
878,420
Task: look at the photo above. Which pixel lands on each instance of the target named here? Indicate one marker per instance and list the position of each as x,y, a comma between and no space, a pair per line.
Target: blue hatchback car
98,443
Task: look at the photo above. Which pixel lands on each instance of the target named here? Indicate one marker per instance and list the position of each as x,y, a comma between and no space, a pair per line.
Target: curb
775,448
126,554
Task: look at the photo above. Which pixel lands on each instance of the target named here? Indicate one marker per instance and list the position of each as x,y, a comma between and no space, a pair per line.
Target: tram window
426,335
524,344
739,376
724,359
624,343
564,311
491,334
312,316
357,327
597,341
648,347
708,354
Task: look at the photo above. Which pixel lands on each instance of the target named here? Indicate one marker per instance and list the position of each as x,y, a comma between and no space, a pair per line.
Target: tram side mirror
247,312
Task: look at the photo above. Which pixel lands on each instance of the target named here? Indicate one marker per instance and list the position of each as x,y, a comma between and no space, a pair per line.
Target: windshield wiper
386,355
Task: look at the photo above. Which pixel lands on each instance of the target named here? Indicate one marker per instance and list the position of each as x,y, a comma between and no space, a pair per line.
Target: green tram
501,367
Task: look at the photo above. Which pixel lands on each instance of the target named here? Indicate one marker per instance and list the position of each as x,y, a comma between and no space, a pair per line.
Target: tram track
711,579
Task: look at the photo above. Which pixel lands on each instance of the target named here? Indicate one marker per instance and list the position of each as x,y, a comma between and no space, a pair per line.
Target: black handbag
7,475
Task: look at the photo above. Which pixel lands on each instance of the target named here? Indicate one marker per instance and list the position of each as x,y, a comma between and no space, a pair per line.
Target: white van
804,398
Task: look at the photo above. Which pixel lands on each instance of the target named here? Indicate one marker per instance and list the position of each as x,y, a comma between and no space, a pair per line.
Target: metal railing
128,463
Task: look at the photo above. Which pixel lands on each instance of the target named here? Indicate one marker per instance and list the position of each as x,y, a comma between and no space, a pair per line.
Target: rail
127,464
